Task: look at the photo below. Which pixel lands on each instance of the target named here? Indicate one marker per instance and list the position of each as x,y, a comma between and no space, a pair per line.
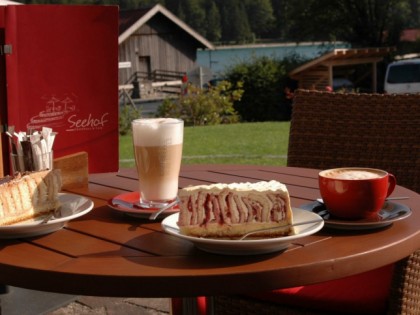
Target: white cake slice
232,210
29,195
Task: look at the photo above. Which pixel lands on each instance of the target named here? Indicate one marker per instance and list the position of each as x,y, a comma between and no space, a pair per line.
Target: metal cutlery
280,227
125,204
154,215
387,199
53,214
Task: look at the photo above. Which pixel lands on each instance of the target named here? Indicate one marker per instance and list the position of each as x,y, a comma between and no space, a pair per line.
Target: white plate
390,212
72,206
251,246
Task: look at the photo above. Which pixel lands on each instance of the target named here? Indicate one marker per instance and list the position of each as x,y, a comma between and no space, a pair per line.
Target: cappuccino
353,174
158,152
355,192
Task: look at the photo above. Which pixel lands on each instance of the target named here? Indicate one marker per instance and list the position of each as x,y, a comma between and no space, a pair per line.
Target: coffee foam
157,131
353,174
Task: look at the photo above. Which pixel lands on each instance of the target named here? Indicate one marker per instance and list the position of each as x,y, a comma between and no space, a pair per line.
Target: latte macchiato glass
158,152
355,193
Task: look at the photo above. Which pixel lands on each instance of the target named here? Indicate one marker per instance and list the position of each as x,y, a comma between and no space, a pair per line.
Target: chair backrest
331,130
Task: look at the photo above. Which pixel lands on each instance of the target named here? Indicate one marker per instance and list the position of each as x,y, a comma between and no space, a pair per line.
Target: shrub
264,79
127,115
209,106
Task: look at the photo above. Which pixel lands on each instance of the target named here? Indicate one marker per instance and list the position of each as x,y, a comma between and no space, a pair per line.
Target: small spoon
279,227
47,218
387,199
126,204
391,214
154,215
53,214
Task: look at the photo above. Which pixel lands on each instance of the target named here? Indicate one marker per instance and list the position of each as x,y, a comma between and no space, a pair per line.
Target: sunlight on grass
262,143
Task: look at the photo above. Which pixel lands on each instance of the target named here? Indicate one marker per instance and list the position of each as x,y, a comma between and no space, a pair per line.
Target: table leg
3,290
189,306
192,306
210,305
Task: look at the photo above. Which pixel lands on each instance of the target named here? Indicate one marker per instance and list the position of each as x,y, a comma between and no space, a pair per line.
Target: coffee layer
158,169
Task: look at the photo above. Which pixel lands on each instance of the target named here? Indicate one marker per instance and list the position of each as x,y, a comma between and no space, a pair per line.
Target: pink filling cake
232,210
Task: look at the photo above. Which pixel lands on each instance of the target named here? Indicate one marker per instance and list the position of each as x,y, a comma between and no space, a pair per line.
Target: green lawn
246,143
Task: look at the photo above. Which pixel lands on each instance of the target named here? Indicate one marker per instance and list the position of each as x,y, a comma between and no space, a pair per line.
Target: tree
213,22
384,20
194,15
362,23
260,16
235,26
414,13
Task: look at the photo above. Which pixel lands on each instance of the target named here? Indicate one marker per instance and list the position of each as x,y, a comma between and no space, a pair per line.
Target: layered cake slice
232,210
29,195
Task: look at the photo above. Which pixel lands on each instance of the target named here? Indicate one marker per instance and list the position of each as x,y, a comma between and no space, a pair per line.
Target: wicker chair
367,130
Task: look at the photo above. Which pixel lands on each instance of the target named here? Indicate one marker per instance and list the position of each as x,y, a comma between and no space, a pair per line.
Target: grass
262,143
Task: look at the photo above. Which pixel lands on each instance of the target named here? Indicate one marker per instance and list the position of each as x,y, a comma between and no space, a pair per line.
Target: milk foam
353,174
157,131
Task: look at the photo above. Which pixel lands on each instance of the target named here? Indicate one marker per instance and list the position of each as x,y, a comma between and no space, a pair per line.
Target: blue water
222,57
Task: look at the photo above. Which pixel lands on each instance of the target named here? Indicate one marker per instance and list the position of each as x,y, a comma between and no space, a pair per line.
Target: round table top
108,253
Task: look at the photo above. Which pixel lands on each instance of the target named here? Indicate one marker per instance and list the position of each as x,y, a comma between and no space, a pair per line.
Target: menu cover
3,104
62,73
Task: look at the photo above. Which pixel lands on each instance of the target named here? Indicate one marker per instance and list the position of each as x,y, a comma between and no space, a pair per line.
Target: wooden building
320,72
155,45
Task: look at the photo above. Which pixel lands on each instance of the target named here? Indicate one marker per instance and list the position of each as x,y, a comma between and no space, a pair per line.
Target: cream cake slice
29,195
232,210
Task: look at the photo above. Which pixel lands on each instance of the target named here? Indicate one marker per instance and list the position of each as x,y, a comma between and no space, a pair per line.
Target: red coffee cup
355,193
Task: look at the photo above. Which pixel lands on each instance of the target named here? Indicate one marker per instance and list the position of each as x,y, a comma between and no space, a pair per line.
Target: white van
403,77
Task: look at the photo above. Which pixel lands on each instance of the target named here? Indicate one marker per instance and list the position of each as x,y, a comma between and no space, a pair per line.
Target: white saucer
248,246
72,207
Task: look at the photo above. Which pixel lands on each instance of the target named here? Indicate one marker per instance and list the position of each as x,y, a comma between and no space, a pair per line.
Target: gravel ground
86,305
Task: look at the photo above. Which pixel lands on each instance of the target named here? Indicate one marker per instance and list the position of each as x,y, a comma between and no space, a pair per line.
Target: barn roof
131,20
344,57
320,70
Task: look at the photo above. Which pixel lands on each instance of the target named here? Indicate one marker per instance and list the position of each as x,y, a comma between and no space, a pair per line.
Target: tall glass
158,152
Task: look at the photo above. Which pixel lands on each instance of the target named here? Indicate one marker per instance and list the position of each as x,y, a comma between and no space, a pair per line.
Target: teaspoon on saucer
387,199
126,204
154,215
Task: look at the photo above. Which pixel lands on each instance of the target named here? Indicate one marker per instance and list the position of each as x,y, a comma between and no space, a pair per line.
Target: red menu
62,72
3,104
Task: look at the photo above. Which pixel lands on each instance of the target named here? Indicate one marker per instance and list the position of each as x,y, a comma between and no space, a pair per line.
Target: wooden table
106,253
